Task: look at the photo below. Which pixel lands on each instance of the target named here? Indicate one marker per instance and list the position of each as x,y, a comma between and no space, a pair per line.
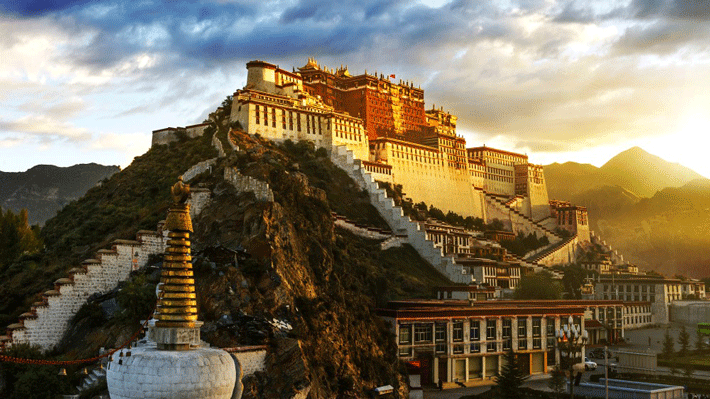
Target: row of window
421,333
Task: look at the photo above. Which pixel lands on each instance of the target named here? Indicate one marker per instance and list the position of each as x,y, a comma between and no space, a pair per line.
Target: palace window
457,331
423,333
537,327
256,114
475,330
405,334
522,327
490,329
475,348
550,326
440,332
507,327
273,117
290,120
266,116
492,347
405,351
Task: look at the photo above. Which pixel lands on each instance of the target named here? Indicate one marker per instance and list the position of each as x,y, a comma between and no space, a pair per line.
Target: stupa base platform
150,373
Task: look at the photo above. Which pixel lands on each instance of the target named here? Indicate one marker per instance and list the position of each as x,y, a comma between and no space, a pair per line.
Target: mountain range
639,173
45,189
655,212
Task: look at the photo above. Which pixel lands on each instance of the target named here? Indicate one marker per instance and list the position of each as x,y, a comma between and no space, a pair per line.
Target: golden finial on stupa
180,191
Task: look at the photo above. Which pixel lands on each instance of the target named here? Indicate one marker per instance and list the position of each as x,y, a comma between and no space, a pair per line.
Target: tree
573,281
699,342
684,342
668,350
227,102
557,381
511,378
136,298
538,286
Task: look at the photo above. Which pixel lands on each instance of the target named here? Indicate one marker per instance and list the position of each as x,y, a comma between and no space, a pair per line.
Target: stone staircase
94,379
518,218
539,254
400,224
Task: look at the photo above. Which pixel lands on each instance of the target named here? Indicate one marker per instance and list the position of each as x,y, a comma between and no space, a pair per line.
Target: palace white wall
425,175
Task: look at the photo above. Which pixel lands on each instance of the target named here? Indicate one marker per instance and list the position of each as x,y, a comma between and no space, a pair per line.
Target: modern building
464,340
659,292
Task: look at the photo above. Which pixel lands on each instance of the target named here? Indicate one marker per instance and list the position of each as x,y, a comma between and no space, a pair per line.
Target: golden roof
311,63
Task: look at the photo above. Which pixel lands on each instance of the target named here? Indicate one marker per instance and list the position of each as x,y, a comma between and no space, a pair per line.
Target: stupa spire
176,326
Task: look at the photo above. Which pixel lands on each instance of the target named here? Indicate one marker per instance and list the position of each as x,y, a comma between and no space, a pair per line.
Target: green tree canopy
699,342
17,237
573,280
684,341
540,285
511,378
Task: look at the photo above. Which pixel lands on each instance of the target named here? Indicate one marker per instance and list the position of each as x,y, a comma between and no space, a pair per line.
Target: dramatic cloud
547,76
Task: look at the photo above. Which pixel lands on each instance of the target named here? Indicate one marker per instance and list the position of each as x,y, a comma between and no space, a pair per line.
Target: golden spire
177,305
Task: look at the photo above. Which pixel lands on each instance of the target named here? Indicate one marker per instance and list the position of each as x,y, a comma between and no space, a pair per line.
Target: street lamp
570,342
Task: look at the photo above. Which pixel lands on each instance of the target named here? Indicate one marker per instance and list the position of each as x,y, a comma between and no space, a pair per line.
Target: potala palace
378,130
391,136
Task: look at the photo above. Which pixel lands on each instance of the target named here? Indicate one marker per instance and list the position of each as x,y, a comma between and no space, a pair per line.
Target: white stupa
178,366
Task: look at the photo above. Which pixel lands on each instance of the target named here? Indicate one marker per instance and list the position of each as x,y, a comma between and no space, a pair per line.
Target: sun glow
687,145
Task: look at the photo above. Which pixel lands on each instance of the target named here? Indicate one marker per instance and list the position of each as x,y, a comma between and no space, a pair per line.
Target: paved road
538,382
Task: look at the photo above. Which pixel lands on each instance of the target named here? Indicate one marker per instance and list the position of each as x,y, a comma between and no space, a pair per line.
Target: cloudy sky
87,81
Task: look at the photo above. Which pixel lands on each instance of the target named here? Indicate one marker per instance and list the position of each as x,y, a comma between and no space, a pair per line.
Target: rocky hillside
256,262
45,189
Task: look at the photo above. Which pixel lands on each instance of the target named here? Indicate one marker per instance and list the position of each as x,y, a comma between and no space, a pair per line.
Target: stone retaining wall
361,231
197,169
616,258
251,358
48,319
246,183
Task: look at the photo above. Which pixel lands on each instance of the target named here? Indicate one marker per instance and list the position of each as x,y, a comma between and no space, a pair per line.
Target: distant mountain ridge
655,212
634,170
45,189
